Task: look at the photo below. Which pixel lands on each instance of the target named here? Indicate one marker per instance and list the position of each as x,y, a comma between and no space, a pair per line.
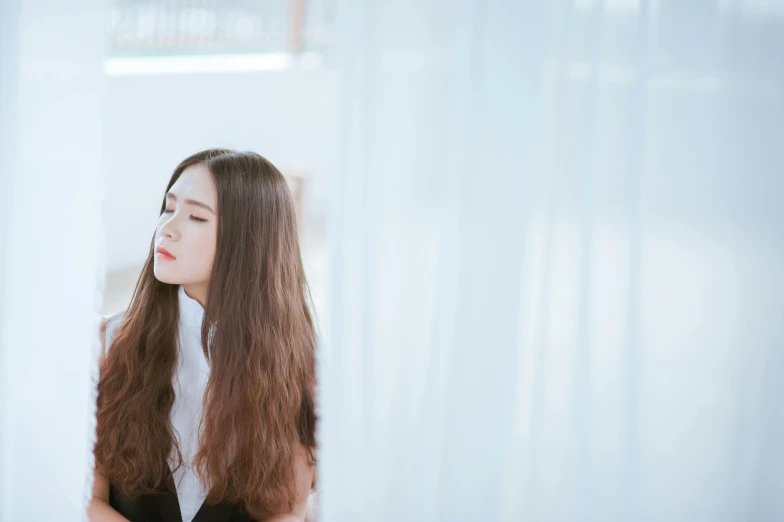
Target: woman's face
187,229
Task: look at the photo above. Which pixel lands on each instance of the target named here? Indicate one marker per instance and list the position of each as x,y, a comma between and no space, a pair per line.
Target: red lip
165,252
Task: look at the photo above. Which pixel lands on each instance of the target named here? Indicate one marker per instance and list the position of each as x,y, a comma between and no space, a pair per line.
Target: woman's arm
305,474
100,510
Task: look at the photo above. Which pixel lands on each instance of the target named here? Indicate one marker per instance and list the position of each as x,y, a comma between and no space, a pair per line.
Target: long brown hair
259,401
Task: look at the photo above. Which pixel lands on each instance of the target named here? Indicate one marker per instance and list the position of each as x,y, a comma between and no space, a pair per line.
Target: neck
197,292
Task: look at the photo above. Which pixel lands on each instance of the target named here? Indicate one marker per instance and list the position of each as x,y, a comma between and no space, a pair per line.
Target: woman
205,399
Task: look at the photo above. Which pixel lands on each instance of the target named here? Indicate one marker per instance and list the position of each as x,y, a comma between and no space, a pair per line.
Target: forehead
196,182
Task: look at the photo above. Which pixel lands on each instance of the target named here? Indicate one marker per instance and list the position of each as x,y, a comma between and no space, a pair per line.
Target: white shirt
190,380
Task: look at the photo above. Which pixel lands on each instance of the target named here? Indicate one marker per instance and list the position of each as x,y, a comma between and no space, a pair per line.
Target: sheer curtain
51,272
556,251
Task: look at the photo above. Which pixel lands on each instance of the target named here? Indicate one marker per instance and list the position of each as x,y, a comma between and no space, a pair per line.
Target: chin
164,277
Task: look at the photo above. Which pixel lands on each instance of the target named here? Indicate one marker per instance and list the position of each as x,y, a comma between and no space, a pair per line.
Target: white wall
155,121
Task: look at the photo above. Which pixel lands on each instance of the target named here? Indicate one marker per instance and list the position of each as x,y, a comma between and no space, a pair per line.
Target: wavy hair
258,337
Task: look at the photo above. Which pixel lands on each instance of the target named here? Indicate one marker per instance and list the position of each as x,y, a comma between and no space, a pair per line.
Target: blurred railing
199,27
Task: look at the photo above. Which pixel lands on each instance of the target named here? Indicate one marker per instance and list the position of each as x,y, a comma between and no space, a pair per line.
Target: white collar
191,311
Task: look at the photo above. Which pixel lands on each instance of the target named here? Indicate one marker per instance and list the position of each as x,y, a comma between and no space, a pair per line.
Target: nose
169,228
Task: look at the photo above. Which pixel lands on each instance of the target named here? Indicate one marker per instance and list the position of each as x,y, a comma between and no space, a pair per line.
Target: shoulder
109,326
111,321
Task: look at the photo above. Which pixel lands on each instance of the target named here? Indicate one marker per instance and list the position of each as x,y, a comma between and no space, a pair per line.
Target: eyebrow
169,195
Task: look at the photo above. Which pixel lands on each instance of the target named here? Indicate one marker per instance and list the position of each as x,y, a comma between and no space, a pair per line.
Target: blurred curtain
51,271
556,289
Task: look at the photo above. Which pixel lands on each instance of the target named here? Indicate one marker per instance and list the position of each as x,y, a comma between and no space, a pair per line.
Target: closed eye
194,218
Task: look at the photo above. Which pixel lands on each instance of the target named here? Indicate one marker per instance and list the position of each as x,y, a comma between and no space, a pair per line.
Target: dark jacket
164,507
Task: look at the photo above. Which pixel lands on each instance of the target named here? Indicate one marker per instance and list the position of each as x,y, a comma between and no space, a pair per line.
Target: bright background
544,240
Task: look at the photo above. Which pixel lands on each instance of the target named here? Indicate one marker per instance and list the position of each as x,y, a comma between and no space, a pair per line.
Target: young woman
206,391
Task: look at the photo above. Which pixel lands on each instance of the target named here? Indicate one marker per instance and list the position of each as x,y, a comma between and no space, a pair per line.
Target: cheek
205,246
